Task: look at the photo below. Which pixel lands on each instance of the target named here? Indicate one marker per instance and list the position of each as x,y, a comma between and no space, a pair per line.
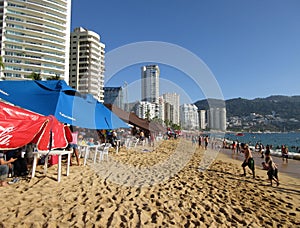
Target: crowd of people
237,147
264,152
15,163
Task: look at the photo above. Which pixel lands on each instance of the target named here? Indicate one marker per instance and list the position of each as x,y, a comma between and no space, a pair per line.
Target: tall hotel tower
87,63
35,37
150,83
217,119
174,100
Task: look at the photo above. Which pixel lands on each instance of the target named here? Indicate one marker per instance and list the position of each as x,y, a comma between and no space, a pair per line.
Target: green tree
167,122
147,114
157,120
35,76
56,77
176,127
2,67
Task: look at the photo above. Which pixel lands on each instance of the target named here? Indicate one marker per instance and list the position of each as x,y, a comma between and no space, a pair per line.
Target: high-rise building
34,38
150,83
161,109
169,109
172,99
87,63
202,122
189,116
114,96
217,119
223,120
145,110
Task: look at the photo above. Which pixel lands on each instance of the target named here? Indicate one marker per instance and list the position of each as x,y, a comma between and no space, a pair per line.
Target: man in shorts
249,161
272,168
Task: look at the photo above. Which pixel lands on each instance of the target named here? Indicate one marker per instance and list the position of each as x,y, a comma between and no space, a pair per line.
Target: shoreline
219,196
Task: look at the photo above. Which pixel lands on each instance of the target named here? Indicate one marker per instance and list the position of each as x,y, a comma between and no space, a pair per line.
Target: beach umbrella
55,97
19,127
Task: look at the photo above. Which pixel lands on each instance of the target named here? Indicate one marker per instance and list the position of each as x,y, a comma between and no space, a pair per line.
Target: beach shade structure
55,97
19,127
133,119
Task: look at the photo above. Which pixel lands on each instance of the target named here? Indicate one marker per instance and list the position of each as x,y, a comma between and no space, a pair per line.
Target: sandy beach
146,187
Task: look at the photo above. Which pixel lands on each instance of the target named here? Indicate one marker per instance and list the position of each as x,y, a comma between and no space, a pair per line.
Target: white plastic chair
98,150
94,148
127,142
82,150
118,144
135,141
105,151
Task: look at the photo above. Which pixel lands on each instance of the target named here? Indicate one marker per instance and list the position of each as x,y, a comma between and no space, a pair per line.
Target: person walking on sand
200,141
206,142
224,144
271,167
249,161
73,146
233,147
237,146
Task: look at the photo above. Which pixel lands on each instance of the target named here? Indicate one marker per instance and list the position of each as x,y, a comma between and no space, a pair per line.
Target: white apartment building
150,83
189,118
174,100
161,109
217,119
202,119
145,110
87,63
35,37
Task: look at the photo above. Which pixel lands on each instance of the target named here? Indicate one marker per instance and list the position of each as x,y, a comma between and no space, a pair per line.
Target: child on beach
249,161
264,164
272,168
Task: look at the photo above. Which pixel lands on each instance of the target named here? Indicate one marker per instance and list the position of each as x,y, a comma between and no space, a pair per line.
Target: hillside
283,107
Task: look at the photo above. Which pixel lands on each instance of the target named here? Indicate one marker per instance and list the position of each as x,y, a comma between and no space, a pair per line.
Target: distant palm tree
147,114
2,67
35,76
56,77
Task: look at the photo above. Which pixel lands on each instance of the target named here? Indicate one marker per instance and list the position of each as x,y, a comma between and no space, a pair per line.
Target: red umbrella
18,127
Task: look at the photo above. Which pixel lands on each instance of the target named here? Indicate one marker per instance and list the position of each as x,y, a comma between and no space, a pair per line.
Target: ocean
290,139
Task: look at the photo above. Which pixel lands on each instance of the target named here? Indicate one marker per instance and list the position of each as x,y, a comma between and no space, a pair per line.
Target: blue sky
251,47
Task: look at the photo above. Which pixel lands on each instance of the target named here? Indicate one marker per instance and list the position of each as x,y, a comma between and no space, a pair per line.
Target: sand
138,187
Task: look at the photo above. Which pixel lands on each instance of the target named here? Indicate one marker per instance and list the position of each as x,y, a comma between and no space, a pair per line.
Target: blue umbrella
65,103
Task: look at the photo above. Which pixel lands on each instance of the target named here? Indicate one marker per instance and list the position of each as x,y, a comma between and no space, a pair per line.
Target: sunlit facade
217,119
35,37
174,100
150,83
189,116
87,63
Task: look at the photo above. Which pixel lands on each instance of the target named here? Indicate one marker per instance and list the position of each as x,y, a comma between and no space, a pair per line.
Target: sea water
290,139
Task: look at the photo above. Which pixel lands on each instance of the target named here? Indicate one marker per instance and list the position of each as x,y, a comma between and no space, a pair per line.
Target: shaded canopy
18,127
55,97
133,119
